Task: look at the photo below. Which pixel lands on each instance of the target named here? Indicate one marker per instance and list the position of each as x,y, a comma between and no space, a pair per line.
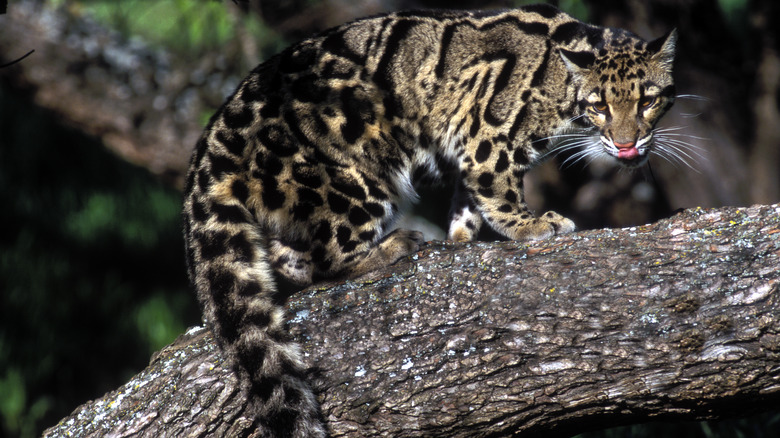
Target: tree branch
678,319
125,94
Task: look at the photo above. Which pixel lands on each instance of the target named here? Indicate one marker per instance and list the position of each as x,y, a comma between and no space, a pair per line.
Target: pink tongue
628,153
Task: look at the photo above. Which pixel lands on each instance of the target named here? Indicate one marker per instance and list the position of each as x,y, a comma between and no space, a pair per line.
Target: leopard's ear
663,49
577,63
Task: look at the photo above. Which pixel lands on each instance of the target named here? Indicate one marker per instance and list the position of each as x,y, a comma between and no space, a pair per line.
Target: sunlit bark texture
677,319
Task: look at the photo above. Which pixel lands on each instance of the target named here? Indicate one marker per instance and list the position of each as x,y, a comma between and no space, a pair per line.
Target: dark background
96,128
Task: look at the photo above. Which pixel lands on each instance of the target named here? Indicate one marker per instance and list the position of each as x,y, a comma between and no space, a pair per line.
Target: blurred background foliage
92,278
91,268
189,27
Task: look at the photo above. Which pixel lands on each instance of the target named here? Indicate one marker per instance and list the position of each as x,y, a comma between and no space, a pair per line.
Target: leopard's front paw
545,226
560,224
393,247
399,244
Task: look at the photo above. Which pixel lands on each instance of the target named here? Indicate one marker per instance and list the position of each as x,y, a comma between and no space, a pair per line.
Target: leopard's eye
601,107
646,102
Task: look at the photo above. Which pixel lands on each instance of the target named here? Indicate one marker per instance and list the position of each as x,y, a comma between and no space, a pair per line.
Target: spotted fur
301,173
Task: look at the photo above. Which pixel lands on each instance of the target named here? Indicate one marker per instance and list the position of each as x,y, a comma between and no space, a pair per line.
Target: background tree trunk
678,319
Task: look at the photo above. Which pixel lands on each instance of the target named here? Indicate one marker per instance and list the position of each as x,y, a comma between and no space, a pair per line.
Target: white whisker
693,97
693,137
676,147
667,159
575,118
577,144
570,140
672,159
698,150
591,150
559,136
670,128
678,152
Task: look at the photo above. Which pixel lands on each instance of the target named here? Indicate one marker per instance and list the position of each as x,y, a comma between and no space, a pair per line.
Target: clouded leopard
301,173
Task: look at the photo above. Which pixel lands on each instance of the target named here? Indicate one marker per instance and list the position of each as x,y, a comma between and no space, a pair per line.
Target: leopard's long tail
228,265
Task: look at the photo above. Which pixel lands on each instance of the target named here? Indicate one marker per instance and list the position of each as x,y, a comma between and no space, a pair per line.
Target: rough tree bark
677,319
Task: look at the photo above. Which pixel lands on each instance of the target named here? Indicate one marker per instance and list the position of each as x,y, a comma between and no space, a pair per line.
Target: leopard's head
623,90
